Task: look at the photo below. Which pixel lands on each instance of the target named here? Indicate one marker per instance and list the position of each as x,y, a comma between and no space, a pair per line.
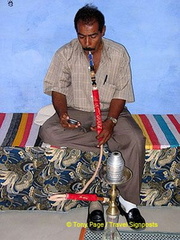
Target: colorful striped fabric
161,131
18,129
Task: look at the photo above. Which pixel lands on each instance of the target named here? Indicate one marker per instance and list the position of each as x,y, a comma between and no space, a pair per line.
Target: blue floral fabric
161,178
29,175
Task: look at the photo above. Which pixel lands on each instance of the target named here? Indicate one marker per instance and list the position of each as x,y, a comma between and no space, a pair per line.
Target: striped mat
161,131
18,129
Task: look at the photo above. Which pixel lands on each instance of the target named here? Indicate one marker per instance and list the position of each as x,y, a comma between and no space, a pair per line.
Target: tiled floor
43,225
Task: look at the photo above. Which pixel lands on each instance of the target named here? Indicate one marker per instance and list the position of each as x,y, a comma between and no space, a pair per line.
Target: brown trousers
127,139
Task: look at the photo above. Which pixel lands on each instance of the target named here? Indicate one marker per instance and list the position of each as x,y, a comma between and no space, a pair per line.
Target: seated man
68,81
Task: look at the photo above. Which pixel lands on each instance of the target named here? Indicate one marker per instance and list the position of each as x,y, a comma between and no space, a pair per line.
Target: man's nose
87,41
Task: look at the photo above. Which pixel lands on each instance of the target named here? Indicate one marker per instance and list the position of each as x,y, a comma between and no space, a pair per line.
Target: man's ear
104,30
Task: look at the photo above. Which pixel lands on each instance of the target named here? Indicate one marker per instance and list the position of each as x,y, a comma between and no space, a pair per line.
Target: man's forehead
90,22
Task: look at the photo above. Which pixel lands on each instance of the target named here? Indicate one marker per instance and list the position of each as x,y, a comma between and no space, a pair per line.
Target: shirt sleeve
124,88
58,75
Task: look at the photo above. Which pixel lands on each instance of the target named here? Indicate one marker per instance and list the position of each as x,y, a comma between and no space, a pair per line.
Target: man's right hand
65,124
60,105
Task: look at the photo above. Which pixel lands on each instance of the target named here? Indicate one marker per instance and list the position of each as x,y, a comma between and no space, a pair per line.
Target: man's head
90,27
89,14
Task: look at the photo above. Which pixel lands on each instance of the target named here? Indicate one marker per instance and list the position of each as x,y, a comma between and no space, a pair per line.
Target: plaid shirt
69,74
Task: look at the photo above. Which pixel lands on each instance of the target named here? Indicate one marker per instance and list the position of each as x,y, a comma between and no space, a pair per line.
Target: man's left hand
106,132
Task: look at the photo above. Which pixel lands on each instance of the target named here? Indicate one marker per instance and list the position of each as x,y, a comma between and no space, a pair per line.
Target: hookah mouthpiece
91,63
115,167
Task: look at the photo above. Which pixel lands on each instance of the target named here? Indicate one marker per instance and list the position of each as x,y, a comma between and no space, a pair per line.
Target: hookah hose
97,110
95,94
79,195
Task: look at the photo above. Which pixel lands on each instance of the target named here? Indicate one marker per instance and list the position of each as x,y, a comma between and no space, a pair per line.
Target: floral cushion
28,175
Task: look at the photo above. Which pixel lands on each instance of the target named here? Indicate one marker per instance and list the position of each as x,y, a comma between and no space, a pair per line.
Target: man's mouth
88,49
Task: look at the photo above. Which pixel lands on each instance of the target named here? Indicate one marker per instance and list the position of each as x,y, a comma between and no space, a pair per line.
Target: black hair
88,14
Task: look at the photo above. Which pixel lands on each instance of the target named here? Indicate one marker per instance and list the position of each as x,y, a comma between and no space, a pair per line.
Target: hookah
79,195
116,173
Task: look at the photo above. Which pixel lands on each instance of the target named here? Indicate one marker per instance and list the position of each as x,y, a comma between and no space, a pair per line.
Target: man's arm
60,104
115,108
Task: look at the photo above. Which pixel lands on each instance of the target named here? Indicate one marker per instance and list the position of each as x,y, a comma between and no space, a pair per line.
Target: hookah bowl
116,174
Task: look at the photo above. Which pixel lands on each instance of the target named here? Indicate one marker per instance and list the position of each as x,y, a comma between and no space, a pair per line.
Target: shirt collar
105,52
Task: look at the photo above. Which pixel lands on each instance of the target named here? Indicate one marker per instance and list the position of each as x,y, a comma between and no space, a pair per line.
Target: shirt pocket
106,92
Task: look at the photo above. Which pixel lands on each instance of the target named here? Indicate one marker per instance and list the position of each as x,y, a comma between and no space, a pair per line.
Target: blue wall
32,30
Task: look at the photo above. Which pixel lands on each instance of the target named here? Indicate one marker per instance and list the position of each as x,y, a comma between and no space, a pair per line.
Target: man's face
89,36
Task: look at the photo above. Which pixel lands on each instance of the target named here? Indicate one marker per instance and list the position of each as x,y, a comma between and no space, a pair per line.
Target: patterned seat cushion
28,175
